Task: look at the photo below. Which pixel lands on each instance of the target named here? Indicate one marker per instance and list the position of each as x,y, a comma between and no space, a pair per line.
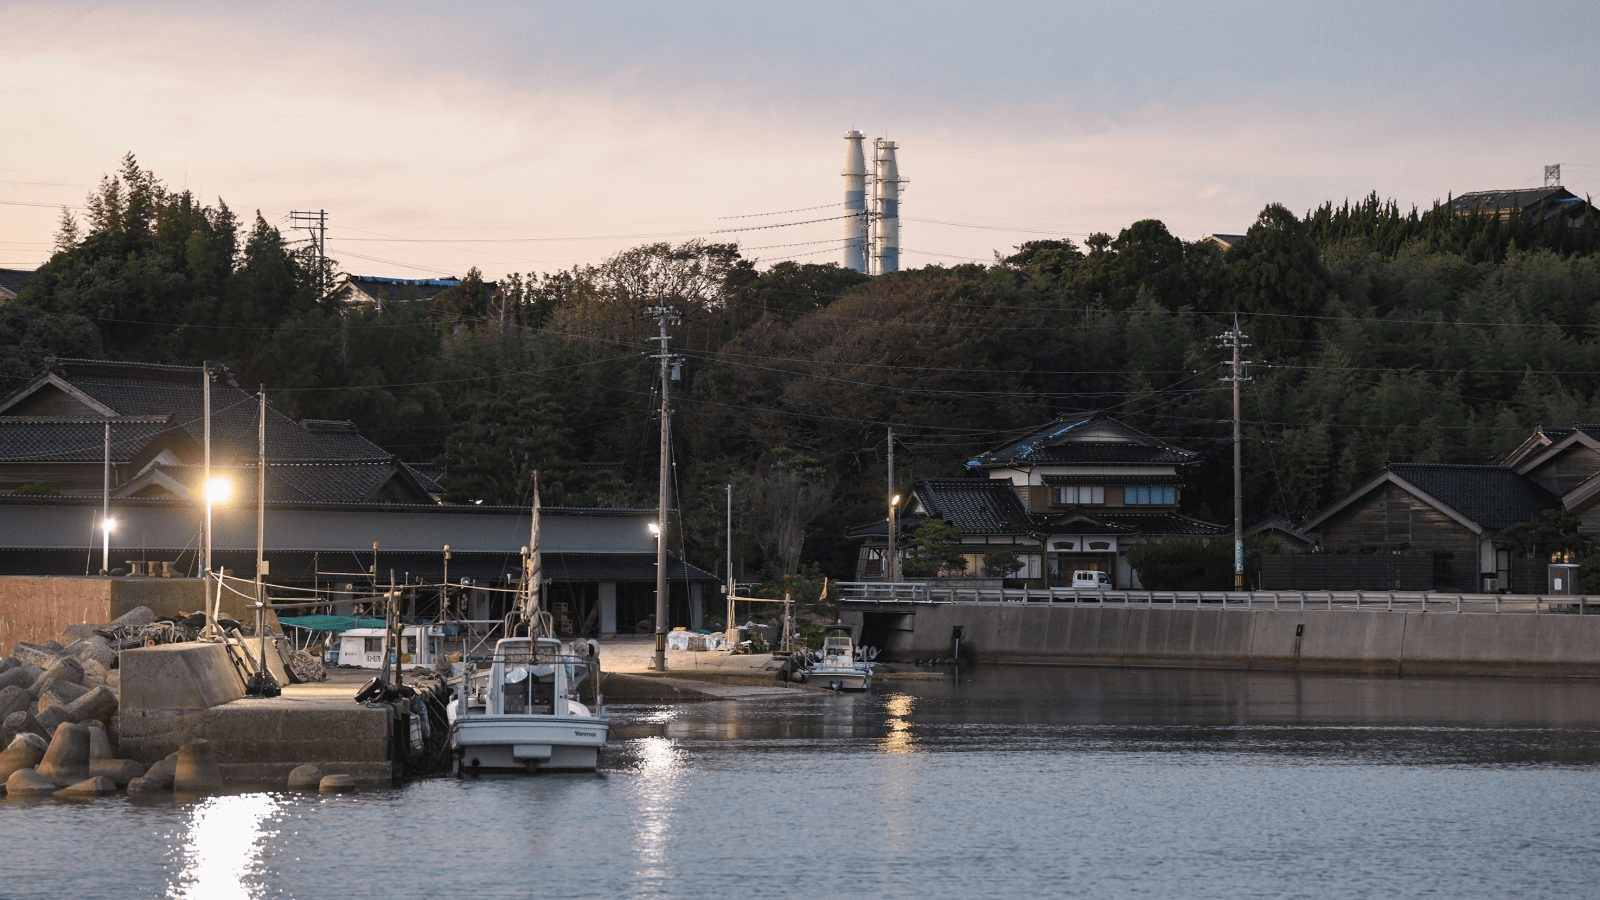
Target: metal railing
1389,601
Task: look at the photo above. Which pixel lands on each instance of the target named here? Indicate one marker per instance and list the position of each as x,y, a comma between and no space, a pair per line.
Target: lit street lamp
218,490
107,525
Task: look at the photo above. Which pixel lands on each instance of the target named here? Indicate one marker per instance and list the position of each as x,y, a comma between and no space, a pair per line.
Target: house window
1149,495
1080,495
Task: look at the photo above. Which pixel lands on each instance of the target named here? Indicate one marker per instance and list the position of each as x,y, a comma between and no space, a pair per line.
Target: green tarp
329,623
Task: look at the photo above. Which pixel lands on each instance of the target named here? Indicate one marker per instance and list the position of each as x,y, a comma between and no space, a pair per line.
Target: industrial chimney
885,208
855,203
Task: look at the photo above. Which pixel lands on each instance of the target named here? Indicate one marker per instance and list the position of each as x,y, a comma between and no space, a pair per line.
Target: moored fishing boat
840,665
537,706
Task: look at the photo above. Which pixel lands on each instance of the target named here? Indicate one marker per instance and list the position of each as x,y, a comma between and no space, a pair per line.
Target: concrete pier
1372,641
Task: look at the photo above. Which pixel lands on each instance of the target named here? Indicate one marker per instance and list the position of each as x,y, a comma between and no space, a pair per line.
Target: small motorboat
840,664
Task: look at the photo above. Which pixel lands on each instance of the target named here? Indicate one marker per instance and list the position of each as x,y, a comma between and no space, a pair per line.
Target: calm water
1009,782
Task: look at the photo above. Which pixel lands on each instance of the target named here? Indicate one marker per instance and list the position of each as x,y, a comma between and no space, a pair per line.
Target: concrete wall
1373,642
37,609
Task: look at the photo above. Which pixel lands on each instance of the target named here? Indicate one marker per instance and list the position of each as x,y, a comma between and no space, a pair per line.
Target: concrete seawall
1355,641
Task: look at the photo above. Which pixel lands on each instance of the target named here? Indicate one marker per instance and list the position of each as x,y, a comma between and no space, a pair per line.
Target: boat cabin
420,645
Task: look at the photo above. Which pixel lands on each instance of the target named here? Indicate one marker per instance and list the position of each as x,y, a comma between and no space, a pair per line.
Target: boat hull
512,743
852,679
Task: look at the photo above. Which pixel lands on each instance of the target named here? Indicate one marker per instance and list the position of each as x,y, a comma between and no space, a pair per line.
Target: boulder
66,761
197,771
29,783
94,786
305,778
12,699
24,752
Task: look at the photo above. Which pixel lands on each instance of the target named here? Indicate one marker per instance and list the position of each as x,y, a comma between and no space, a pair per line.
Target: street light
893,560
218,490
107,525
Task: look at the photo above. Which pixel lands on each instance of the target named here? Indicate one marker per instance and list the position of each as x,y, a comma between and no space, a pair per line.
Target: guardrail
1391,601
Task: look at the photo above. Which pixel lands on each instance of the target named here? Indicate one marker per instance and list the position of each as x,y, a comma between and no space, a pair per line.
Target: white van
1086,580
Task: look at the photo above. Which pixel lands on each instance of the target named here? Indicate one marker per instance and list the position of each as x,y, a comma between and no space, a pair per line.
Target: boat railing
1388,601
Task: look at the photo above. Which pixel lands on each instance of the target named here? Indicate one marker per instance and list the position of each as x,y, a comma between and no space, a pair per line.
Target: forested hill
1375,335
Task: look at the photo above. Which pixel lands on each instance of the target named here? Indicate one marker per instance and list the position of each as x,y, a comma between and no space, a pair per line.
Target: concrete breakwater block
20,675
24,752
99,742
29,783
40,656
138,617
305,778
63,669
21,722
165,771
66,760
119,771
336,784
197,770
13,698
95,786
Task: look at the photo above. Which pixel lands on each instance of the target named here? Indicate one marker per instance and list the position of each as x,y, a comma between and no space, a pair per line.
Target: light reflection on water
1095,783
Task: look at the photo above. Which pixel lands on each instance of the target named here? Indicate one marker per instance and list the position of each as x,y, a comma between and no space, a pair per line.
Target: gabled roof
1096,439
379,290
80,388
1550,201
1225,241
49,439
12,281
361,481
1484,498
973,505
1153,522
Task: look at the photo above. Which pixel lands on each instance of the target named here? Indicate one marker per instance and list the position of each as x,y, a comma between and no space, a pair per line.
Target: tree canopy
1375,335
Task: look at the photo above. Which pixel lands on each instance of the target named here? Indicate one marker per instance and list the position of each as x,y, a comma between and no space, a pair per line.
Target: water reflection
898,738
660,764
222,847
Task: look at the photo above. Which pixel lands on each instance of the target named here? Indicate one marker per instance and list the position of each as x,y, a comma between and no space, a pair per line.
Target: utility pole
663,316
1236,340
316,224
890,568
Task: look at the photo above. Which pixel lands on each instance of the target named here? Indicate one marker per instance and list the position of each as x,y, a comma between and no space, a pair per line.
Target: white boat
527,711
537,707
839,665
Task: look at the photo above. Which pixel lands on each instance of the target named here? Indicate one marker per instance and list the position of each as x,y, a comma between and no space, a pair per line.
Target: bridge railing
1392,601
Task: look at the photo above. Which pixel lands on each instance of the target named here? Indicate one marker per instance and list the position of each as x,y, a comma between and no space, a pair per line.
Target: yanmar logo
585,733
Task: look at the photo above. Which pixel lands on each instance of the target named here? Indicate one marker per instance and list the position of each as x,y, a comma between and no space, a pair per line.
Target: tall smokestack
855,203
886,208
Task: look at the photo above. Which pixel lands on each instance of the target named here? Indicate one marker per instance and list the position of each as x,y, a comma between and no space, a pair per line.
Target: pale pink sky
533,136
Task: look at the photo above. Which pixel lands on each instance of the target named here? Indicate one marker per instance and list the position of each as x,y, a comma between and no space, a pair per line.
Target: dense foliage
1375,336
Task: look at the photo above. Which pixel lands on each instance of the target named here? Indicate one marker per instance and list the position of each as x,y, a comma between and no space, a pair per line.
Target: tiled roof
1553,200
357,481
976,505
13,280
1161,523
1493,496
40,439
143,389
1084,441
1153,478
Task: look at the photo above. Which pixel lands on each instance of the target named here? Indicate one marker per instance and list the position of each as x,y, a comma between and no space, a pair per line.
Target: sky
531,137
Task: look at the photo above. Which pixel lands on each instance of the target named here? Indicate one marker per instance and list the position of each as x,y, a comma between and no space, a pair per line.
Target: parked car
1086,580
